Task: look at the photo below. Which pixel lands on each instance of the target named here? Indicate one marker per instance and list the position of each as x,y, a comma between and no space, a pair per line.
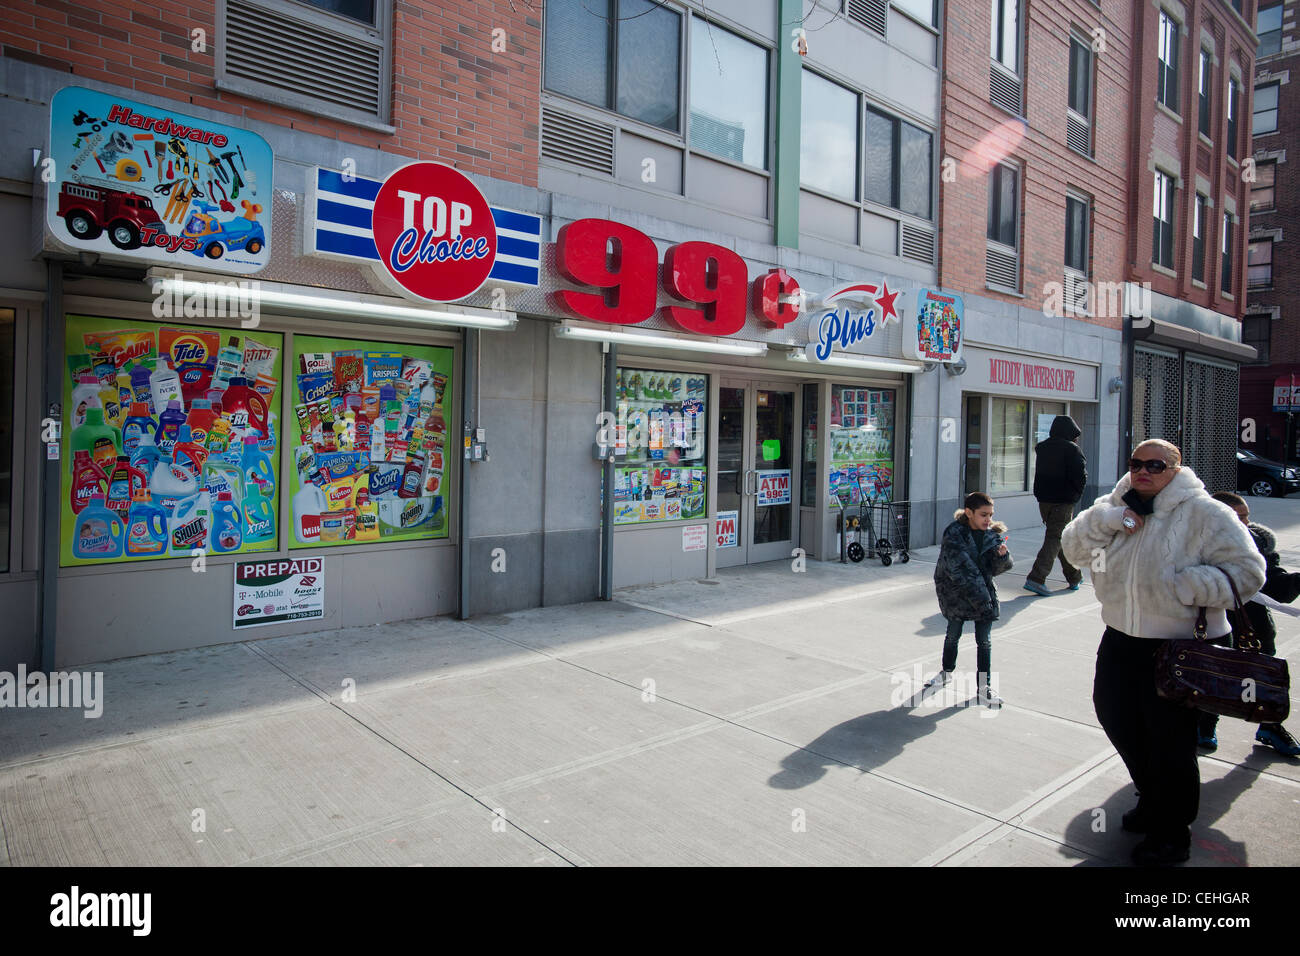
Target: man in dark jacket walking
1059,478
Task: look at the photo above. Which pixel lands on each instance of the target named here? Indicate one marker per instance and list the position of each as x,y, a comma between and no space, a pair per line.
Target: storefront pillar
51,472
607,468
469,404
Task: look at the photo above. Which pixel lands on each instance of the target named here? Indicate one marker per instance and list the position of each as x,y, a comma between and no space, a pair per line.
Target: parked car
1268,479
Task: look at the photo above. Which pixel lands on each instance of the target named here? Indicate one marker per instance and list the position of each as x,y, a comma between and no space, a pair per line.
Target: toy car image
215,238
89,210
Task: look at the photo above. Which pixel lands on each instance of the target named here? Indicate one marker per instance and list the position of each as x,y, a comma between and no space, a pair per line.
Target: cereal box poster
938,331
143,182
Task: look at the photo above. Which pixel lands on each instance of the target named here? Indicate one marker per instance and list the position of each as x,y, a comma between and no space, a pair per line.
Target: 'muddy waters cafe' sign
1007,373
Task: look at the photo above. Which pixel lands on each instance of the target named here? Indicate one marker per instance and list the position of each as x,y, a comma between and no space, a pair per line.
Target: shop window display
660,472
862,443
170,441
369,436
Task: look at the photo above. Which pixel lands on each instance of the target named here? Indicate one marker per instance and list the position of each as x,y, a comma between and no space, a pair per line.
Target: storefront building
247,403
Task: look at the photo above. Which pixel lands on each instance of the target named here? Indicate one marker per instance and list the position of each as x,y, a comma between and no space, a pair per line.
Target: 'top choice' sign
434,232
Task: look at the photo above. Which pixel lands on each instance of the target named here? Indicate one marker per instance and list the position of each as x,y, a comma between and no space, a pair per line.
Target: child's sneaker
986,695
937,682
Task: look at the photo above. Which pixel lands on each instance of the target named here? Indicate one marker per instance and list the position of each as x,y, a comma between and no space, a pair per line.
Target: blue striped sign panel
341,228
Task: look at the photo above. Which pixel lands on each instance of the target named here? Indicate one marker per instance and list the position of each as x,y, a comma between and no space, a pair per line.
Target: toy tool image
214,238
89,210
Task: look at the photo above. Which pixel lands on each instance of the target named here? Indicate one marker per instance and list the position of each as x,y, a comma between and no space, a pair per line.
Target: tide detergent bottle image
227,525
97,533
146,527
188,453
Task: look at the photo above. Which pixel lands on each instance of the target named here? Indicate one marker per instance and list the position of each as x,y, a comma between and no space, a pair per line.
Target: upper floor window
1005,40
1203,94
1234,107
1076,233
619,55
828,142
329,58
1261,190
1259,264
1268,27
896,158
922,10
1004,204
1256,330
1199,226
728,94
1167,64
1162,239
1226,271
1264,119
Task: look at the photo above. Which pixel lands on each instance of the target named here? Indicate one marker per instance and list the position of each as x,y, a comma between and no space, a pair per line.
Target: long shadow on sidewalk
864,742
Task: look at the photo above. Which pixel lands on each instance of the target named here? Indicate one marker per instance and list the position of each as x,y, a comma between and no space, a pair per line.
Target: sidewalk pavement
759,718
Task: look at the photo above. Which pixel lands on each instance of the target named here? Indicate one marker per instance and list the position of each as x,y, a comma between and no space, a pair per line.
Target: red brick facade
455,100
1048,166
1157,137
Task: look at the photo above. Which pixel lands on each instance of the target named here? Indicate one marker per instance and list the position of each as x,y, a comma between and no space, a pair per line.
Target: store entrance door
757,469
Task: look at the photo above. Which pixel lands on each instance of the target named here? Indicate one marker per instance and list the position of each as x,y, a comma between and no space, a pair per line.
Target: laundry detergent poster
170,441
150,184
369,439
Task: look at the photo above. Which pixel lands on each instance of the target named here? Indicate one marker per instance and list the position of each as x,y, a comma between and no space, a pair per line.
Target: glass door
756,471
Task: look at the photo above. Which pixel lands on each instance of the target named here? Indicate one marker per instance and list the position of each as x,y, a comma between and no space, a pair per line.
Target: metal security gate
1210,422
1157,396
1192,402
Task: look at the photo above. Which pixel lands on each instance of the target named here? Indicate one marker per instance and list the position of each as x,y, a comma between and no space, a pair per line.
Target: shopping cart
887,526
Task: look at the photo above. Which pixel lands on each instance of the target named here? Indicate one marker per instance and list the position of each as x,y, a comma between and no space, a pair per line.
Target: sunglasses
1154,466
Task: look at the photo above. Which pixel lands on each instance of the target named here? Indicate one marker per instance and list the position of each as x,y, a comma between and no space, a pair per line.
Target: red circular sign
434,232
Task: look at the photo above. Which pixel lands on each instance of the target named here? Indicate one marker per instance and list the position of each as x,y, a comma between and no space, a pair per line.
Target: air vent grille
872,14
570,139
918,244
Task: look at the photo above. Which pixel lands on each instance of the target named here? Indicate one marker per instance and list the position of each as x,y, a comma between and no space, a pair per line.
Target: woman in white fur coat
1156,544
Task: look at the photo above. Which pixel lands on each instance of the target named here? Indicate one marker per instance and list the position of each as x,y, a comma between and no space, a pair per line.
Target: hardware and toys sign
426,230
276,592
938,332
144,183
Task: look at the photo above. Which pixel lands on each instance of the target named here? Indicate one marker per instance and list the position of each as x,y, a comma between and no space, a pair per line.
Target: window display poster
661,444
773,487
658,494
170,441
862,444
369,439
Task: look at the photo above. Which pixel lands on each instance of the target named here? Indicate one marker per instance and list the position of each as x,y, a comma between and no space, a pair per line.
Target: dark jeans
1056,517
1156,738
983,644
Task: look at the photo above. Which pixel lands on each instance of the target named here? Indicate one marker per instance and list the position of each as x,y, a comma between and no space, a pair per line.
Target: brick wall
1152,128
1048,166
454,99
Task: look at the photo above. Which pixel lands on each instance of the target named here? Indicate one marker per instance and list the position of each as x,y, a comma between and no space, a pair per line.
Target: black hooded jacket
1061,471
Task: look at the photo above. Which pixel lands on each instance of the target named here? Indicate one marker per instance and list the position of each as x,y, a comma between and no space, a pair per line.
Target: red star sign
886,302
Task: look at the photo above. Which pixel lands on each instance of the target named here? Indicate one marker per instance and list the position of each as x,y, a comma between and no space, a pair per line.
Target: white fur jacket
1150,583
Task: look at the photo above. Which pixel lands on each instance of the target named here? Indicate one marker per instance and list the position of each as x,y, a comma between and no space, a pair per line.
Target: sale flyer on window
170,441
369,440
862,444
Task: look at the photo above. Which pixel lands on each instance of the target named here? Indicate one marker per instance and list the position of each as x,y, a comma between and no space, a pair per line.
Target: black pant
1055,517
1156,738
983,644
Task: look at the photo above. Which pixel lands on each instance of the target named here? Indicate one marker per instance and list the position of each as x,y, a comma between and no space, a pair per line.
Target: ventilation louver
581,142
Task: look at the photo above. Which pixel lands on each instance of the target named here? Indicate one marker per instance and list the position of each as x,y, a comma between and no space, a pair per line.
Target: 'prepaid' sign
275,592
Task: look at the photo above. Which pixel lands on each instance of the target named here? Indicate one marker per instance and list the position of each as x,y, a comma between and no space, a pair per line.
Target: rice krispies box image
369,441
170,441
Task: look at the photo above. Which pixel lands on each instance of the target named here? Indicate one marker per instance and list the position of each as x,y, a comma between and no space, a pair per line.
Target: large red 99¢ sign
622,263
434,232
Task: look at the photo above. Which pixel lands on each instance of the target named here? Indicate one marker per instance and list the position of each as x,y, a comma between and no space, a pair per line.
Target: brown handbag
1229,681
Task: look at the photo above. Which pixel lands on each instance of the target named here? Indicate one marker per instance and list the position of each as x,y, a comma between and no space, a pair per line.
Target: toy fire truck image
89,210
214,238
